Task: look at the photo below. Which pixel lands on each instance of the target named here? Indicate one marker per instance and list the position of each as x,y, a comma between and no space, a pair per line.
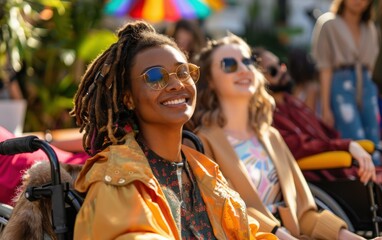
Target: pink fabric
12,167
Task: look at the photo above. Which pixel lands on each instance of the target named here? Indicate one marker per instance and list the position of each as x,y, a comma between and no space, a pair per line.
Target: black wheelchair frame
57,191
346,198
5,214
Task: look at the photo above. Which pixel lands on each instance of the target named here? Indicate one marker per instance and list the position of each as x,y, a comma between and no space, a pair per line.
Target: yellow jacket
125,201
300,216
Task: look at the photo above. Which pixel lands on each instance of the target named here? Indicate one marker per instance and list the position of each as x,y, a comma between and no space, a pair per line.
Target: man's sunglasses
158,78
273,70
230,65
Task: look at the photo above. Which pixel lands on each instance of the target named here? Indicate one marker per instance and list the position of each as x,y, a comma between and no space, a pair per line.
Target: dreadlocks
98,103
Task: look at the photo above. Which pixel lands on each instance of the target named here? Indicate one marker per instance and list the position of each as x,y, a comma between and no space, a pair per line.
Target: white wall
299,18
233,18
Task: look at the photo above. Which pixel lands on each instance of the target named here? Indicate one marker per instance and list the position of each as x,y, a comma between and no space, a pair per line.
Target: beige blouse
333,45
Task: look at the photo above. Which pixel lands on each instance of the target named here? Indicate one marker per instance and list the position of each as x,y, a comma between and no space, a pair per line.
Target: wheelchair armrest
326,160
367,145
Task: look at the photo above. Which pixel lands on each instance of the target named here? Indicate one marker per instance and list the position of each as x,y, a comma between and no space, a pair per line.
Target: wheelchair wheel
325,202
5,214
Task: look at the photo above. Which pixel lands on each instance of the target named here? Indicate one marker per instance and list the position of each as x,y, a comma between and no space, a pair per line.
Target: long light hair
208,109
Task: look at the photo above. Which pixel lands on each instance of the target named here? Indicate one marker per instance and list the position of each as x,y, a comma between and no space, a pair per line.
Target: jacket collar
123,164
217,195
232,167
271,138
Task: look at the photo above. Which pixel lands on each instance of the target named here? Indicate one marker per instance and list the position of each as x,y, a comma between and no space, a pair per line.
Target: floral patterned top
260,169
183,195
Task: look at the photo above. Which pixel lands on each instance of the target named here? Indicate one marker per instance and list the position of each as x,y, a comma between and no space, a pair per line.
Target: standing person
188,35
233,119
345,47
141,181
377,74
304,133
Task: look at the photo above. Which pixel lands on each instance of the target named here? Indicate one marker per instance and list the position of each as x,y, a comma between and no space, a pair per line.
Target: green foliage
275,38
45,40
92,41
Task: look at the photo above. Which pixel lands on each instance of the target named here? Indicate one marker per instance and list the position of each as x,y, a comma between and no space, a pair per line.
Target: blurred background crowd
45,46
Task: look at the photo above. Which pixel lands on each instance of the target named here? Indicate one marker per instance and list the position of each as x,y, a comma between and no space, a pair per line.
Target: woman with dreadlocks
141,181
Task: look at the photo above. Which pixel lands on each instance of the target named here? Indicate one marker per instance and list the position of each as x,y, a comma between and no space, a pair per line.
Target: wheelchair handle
18,145
31,144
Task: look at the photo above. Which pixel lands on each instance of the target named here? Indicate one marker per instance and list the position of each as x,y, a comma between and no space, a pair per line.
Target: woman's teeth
174,102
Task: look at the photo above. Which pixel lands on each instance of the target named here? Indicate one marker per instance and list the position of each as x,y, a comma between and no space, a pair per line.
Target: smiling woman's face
239,80
171,106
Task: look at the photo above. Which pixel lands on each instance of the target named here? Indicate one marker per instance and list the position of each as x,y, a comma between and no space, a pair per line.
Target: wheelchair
361,218
5,214
357,204
65,201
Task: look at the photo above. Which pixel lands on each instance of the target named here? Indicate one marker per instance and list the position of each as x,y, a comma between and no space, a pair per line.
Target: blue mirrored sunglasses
157,78
230,65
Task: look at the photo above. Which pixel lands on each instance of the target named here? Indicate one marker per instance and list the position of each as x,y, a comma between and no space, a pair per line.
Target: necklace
239,135
179,171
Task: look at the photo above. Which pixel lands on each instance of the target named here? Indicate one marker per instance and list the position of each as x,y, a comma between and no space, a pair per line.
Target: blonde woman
233,119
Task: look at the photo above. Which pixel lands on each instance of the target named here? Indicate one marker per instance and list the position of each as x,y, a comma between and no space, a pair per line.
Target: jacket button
107,178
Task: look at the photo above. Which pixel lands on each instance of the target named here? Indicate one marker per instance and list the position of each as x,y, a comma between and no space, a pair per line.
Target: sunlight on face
241,82
172,105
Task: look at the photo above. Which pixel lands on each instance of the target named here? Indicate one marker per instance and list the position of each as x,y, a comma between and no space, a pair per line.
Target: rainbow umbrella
162,10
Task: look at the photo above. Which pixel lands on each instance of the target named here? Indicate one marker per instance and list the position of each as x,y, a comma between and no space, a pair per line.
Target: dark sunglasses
157,78
230,65
273,70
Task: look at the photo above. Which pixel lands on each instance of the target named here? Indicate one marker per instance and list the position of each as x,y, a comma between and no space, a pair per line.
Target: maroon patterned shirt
304,133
